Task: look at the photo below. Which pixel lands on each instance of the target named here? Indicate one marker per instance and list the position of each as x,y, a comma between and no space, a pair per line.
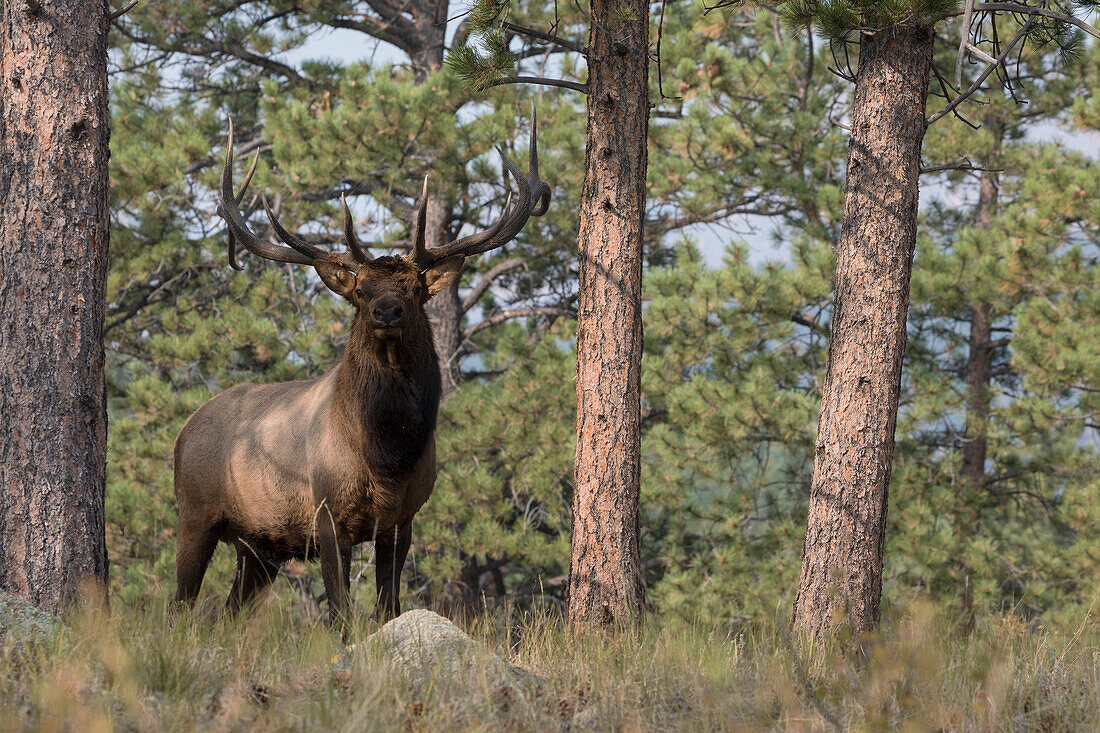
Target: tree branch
983,76
486,280
582,88
122,11
498,318
524,31
1022,9
967,166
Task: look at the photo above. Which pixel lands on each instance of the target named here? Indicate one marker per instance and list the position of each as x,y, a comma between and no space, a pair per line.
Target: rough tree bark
606,588
425,44
53,261
841,577
445,309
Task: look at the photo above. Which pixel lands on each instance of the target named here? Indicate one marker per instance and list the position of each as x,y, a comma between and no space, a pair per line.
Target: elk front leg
335,567
390,551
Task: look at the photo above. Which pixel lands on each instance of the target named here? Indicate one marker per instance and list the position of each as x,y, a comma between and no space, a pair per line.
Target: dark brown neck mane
390,388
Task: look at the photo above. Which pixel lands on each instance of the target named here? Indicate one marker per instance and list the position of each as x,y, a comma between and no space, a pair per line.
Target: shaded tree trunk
979,364
841,576
53,261
979,372
606,588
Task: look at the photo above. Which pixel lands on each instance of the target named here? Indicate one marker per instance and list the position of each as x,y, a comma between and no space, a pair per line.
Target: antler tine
238,227
358,251
533,148
539,190
533,199
252,205
248,179
300,245
420,253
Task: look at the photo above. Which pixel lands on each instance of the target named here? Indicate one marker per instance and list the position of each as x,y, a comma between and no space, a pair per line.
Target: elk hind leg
195,543
254,575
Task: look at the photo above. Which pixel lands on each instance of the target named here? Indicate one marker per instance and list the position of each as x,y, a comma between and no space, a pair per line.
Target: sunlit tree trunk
53,261
841,577
606,588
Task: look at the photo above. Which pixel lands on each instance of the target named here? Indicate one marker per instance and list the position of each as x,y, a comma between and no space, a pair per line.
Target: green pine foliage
839,19
744,124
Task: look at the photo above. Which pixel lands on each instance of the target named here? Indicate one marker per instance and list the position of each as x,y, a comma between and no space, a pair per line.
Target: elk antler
299,252
533,200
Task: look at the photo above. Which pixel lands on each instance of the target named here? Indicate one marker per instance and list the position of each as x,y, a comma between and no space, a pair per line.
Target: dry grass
143,669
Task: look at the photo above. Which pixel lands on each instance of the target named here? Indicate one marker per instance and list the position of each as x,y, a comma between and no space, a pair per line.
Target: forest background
747,144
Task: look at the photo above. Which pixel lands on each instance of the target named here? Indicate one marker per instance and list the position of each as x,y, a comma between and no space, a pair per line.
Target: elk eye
359,292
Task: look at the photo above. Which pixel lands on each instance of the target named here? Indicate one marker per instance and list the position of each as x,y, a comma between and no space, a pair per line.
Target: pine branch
575,86
549,38
1022,9
207,47
503,316
984,75
967,166
964,42
122,11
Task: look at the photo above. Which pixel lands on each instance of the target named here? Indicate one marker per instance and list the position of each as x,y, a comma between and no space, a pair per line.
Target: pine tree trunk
445,309
841,577
979,372
979,365
53,260
606,588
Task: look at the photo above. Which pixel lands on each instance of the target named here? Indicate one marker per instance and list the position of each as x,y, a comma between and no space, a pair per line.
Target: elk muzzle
388,314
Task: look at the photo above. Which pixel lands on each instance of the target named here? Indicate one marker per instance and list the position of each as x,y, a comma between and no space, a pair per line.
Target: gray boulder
432,653
22,622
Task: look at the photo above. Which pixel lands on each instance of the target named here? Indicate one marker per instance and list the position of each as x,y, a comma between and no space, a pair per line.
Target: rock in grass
22,622
431,652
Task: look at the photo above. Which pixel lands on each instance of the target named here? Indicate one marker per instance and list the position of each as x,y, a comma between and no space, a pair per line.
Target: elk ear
338,280
443,273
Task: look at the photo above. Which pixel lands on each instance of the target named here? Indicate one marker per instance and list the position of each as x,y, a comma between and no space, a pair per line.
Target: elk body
310,469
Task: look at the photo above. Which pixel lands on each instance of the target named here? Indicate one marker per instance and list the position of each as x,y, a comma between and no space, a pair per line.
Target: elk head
388,292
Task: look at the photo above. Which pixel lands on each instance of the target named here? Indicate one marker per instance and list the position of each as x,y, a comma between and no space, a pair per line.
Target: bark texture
424,42
53,261
841,577
445,309
606,589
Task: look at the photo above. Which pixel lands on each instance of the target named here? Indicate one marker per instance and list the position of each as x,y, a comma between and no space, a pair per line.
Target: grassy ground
145,669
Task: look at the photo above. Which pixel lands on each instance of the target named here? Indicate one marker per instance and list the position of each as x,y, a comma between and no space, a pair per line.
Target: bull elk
314,468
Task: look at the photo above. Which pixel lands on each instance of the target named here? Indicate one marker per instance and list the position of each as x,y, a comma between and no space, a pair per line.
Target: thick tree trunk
606,588
841,578
445,309
426,53
53,258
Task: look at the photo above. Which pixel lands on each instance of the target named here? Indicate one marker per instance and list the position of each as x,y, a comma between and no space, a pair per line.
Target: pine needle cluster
838,19
481,69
